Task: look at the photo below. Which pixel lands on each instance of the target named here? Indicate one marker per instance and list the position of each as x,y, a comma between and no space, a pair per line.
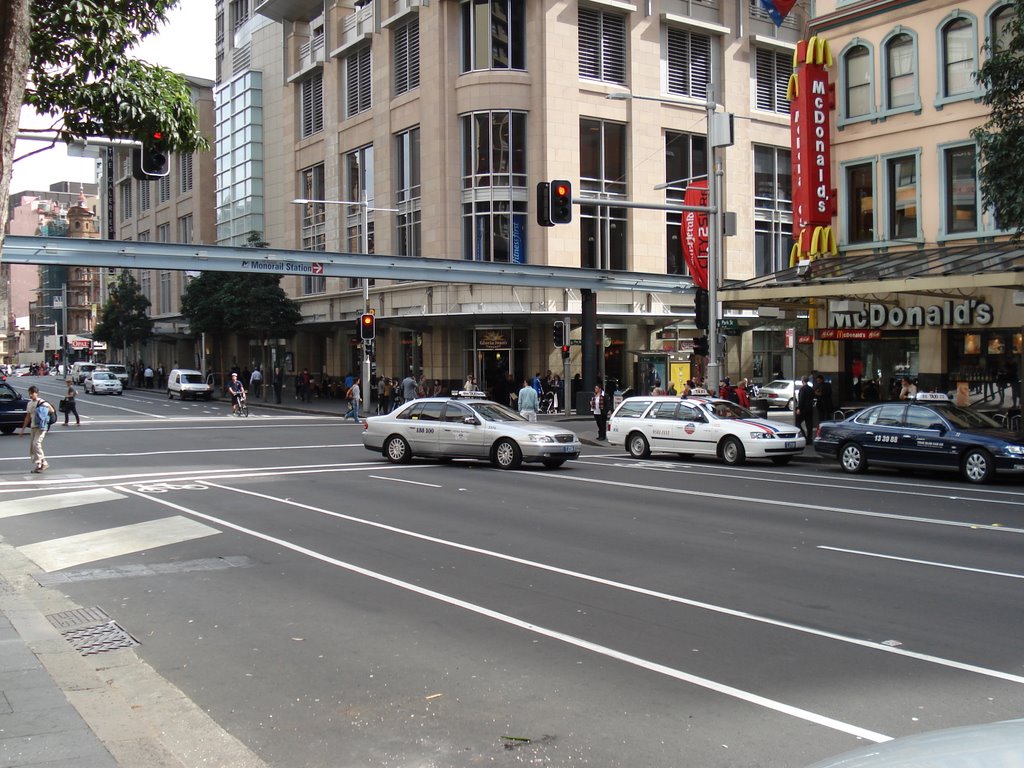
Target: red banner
694,230
841,334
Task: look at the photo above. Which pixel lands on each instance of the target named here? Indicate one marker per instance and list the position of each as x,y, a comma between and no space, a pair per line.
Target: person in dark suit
805,408
823,398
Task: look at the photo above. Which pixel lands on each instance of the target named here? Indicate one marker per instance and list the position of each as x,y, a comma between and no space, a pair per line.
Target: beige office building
427,125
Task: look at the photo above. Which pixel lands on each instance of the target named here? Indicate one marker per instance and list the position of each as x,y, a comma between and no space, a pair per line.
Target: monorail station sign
962,314
282,267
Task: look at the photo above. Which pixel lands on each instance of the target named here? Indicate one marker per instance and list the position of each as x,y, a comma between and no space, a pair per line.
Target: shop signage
839,334
965,313
492,340
694,226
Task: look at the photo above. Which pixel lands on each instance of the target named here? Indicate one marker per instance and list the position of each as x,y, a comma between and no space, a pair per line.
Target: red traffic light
560,204
561,190
367,326
157,135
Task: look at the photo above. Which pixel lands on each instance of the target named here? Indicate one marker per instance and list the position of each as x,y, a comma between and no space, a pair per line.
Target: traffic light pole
566,370
367,395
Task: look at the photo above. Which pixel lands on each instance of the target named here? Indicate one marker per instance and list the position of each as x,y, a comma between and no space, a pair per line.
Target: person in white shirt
528,401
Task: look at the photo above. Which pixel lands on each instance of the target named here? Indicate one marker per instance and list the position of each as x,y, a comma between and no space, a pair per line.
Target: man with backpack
41,415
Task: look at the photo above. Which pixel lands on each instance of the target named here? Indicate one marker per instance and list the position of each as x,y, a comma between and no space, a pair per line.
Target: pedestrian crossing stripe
15,507
69,551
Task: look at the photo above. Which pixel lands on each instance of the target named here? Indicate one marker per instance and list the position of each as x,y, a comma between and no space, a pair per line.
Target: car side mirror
940,428
471,420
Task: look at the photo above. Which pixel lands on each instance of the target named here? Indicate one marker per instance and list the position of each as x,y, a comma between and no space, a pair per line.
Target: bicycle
242,406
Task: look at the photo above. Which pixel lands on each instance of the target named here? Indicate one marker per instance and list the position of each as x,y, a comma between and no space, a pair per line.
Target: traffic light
560,202
700,305
700,346
565,351
150,160
367,326
558,334
544,204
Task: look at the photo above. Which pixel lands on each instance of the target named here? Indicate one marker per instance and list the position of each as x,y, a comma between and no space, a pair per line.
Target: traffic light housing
700,305
150,161
565,351
367,326
544,204
560,202
558,334
700,346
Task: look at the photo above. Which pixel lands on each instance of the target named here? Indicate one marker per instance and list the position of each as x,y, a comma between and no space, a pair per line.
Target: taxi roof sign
935,397
699,392
462,393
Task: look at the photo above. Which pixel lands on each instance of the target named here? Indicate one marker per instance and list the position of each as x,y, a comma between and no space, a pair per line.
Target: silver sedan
467,428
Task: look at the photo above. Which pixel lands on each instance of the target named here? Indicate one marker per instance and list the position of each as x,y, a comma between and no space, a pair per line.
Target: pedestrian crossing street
79,549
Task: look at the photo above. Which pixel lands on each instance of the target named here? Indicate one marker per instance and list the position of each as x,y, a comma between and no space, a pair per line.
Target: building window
773,209
603,173
901,188
408,192
145,284
143,237
358,83
958,58
772,73
163,233
493,34
239,10
686,159
406,53
961,189
900,88
185,231
1001,34
314,214
144,201
860,205
239,159
184,172
312,97
126,200
602,46
688,62
163,189
494,187
165,292
857,68
359,222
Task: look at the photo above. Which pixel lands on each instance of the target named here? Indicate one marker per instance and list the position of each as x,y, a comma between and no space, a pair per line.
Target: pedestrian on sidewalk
354,394
40,415
598,408
71,404
278,383
256,381
528,401
805,409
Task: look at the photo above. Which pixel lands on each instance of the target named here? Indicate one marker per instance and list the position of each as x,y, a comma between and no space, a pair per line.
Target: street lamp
364,204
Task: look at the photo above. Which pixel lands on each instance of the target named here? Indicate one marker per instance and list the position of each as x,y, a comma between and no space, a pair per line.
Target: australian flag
778,9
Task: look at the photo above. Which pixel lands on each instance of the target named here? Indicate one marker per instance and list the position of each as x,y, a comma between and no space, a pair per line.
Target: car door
422,431
456,437
659,426
925,439
693,433
882,433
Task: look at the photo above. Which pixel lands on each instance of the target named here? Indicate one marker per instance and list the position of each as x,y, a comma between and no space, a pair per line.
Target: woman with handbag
68,404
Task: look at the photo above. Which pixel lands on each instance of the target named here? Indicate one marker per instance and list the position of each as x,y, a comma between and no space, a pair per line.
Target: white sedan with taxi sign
467,426
701,425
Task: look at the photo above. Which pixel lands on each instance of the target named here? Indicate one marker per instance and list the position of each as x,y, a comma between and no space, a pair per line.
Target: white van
188,383
80,370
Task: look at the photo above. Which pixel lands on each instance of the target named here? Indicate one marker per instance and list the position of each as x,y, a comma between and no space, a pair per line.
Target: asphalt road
329,609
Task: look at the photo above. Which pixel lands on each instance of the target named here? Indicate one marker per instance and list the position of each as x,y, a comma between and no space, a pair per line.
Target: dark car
12,408
928,432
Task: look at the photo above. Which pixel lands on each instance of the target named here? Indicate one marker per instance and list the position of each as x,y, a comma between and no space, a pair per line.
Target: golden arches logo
792,88
823,240
818,52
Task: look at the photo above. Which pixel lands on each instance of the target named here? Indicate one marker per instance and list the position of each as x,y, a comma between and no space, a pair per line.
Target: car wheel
397,450
791,404
7,430
170,395
638,446
553,463
851,458
732,451
976,466
506,454
781,461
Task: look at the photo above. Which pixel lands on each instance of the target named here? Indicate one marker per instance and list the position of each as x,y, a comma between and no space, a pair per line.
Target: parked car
467,426
120,371
13,407
701,425
102,383
780,393
80,370
188,383
928,432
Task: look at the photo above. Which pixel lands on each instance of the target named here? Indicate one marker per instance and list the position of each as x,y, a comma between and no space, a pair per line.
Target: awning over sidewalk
943,271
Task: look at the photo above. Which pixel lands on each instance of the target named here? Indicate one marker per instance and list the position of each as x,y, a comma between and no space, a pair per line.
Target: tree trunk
14,45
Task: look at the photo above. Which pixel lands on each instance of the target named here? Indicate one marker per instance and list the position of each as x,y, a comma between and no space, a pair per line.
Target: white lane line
986,496
400,480
950,566
55,554
639,590
760,500
727,690
54,501
234,450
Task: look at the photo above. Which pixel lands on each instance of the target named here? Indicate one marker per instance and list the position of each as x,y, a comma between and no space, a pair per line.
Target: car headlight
536,438
761,436
1016,450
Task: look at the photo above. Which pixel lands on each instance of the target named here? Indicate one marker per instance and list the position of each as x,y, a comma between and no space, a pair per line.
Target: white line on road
400,480
727,690
234,450
54,501
924,562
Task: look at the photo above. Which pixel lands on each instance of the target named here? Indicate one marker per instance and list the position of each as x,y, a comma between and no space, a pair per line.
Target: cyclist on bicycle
237,391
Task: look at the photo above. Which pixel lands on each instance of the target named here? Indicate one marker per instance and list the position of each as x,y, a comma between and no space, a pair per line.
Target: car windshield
193,378
723,409
102,376
778,384
495,412
965,418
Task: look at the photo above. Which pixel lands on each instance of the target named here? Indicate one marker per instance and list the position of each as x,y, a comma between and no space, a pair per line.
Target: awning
942,271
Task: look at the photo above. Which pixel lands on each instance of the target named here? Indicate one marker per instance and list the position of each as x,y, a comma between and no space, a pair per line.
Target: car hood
528,427
774,426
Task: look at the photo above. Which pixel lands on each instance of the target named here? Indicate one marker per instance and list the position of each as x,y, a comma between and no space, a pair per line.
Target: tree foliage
124,319
1001,138
250,305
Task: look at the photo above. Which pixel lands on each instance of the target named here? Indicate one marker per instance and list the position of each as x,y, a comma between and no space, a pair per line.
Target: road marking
924,562
703,682
28,506
55,554
814,632
400,480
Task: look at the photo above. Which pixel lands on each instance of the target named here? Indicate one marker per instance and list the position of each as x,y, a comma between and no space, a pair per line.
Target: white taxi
701,425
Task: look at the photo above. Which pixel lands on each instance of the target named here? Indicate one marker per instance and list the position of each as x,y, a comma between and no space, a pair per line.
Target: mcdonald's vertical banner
811,101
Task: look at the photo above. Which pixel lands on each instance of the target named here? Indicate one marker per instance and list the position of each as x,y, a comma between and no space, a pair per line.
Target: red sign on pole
694,231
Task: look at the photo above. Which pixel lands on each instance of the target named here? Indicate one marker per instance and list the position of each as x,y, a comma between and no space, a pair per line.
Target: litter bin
759,407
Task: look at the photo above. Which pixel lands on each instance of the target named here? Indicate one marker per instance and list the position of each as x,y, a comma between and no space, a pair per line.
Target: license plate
568,449
790,444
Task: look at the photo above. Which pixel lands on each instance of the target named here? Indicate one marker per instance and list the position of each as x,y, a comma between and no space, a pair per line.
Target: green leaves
124,319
